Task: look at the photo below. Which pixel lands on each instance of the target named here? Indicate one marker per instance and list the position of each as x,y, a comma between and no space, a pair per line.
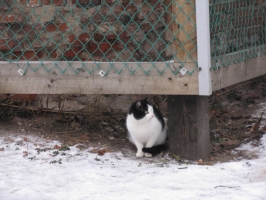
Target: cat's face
149,112
143,110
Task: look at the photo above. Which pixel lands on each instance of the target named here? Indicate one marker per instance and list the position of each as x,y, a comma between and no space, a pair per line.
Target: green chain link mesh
238,31
99,31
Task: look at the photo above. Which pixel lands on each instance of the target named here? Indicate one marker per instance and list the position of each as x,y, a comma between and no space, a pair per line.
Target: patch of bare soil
235,118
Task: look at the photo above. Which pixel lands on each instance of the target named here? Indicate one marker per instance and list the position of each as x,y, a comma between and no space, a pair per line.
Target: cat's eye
146,112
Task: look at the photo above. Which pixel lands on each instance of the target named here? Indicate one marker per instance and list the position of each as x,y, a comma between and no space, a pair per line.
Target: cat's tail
155,149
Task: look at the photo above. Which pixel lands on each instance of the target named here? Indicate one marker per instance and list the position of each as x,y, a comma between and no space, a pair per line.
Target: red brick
118,46
110,56
31,3
18,98
52,27
124,36
140,15
7,18
62,27
71,39
152,17
53,2
118,9
145,27
27,55
46,2
159,6
105,10
7,45
138,2
84,56
77,41
258,2
98,37
97,18
12,18
97,56
125,3
110,37
3,97
3,27
152,2
3,8
53,54
86,2
25,29
131,9
58,2
92,47
72,52
104,47
84,37
110,1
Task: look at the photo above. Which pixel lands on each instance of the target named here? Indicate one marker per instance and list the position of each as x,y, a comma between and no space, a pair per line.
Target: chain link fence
238,31
91,32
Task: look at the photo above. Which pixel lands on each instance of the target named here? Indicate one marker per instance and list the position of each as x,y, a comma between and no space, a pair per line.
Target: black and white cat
146,126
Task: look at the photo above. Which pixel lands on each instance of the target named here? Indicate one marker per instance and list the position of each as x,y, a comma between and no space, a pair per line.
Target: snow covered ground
31,168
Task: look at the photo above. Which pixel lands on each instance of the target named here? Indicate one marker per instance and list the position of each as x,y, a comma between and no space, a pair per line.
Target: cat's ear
147,99
139,105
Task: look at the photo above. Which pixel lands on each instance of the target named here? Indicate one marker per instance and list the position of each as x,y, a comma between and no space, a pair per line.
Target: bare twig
224,186
256,126
177,157
27,130
65,132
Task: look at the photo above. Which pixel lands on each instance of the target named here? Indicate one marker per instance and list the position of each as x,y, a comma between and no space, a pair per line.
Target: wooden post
188,126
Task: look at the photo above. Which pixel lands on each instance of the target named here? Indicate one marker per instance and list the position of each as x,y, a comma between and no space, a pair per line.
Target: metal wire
99,31
238,31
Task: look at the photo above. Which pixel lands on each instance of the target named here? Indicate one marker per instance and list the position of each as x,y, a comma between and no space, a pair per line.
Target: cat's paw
148,155
140,154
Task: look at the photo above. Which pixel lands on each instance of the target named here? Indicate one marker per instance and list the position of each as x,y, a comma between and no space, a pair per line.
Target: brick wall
87,30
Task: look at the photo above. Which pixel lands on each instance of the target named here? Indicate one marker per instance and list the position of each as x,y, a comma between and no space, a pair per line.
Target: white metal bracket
102,73
183,71
20,71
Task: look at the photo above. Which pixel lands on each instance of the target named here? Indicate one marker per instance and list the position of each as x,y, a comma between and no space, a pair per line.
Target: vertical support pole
203,47
188,126
189,131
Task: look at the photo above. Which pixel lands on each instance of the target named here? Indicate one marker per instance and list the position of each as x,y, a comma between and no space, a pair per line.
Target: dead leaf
2,149
25,153
75,124
200,162
102,152
229,143
80,146
94,150
213,111
57,147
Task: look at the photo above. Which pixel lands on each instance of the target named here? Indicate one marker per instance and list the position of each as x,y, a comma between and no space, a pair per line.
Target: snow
85,175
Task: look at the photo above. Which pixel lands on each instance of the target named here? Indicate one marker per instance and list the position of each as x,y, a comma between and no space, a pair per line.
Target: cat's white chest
143,129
